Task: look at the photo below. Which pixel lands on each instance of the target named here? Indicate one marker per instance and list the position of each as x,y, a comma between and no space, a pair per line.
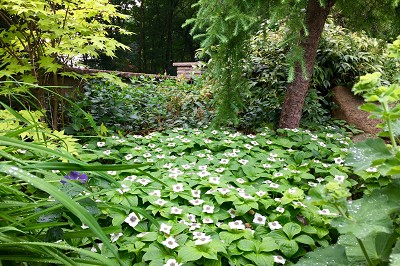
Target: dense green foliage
39,38
342,57
227,27
144,105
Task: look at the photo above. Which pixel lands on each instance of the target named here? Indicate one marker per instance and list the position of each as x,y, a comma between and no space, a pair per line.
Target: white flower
207,221
186,166
266,165
203,173
202,167
124,189
322,144
177,187
220,170
160,156
278,174
224,161
261,193
338,160
327,212
107,152
280,209
55,171
168,165
172,262
84,226
100,246
240,180
298,203
273,185
339,178
274,225
202,240
228,141
160,202
170,242
155,192
255,143
176,210
195,193
194,226
101,144
214,180
248,146
232,213
207,141
165,228
259,219
238,224
197,235
312,184
245,195
143,181
223,191
191,217
243,161
279,259
132,219
214,132
292,190
371,170
115,236
208,208
130,178
23,151
196,201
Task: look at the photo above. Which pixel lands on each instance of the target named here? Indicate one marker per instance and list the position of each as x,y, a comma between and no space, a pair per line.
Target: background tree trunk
316,16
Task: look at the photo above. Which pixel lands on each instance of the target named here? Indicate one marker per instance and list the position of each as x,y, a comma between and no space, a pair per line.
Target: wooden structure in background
188,69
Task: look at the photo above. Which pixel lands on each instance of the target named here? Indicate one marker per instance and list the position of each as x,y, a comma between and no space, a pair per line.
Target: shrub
144,105
342,57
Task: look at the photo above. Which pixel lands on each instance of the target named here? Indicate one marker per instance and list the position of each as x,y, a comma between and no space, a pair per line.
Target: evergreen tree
227,25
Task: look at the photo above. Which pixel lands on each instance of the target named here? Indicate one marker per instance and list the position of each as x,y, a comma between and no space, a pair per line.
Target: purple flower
74,175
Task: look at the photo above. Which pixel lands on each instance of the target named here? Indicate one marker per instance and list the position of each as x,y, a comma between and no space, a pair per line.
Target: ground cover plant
200,197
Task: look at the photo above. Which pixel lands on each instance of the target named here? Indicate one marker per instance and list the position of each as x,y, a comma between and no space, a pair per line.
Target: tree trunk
297,90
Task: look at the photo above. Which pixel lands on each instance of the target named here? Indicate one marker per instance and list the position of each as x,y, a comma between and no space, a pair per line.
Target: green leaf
246,245
291,229
268,244
364,154
229,237
189,254
63,198
154,252
332,255
305,239
260,259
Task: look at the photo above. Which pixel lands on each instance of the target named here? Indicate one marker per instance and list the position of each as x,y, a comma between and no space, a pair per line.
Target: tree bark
316,16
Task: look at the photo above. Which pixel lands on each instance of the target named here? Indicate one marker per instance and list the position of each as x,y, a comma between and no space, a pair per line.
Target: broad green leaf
364,154
189,254
247,245
305,239
291,229
268,244
154,252
228,237
332,255
260,259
